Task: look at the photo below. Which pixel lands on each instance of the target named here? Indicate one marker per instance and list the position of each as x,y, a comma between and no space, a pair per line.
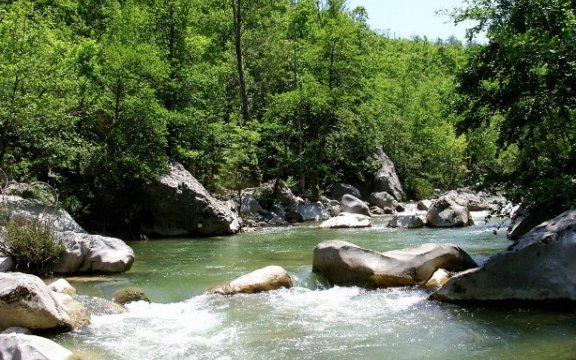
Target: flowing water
311,320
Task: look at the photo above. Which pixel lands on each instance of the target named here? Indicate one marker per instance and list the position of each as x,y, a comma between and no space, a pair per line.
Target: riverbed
311,320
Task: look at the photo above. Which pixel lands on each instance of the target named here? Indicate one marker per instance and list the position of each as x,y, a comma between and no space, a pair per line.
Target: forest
97,95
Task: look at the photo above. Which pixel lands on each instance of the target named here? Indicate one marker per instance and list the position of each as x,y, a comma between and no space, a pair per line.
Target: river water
311,320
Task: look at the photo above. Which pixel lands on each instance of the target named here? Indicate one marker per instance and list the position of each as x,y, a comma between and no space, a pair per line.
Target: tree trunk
237,13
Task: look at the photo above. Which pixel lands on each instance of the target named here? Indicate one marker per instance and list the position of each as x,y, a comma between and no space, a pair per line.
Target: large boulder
406,221
354,205
523,220
264,279
177,204
540,267
92,253
448,211
346,220
31,347
466,197
26,301
386,178
59,219
346,264
384,201
337,191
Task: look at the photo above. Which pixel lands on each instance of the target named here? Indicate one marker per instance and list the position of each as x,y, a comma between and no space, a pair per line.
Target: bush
31,243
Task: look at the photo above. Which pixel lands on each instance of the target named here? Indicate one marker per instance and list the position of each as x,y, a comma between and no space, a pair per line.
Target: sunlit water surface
311,320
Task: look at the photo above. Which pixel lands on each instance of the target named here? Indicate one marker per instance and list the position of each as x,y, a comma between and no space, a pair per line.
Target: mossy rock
128,295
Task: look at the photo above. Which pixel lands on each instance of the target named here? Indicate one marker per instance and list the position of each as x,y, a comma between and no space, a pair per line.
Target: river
311,320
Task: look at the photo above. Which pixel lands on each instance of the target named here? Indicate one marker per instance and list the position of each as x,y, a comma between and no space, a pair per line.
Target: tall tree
522,84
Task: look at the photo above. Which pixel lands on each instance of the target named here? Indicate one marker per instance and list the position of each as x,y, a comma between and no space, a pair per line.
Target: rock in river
264,279
26,301
93,253
346,220
177,205
540,267
448,211
354,205
31,347
346,264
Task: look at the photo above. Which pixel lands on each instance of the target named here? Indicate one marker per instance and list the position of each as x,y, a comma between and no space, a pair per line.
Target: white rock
346,220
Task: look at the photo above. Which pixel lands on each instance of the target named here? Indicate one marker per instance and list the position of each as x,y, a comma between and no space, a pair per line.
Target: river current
311,320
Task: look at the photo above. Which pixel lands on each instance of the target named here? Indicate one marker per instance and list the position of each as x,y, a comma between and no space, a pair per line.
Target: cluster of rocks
537,269
28,306
83,252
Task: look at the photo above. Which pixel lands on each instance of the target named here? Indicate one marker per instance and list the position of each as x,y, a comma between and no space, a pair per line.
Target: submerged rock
346,264
346,220
540,267
128,295
264,279
100,306
177,204
93,253
26,301
31,347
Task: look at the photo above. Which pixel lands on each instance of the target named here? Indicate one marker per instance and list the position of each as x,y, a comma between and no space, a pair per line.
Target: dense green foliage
97,95
519,91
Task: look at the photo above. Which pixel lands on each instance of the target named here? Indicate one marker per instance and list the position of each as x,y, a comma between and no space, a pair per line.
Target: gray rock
346,220
375,210
384,201
93,253
337,191
448,212
540,267
406,221
31,347
28,208
264,279
6,263
62,286
177,204
26,301
293,216
386,178
354,205
346,264
424,205
251,207
523,220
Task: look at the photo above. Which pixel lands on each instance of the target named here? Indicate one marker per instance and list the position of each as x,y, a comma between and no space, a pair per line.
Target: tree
522,84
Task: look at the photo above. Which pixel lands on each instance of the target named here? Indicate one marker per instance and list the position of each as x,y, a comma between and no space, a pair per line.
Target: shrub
31,243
